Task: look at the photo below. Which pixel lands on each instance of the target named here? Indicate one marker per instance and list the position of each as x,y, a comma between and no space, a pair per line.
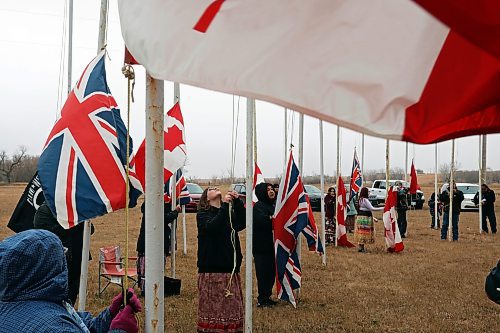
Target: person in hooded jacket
34,291
263,243
72,240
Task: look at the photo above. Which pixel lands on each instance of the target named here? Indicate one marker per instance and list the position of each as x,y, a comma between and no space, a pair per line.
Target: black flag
32,198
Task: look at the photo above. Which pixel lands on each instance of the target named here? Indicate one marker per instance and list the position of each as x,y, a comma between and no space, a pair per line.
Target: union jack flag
181,193
356,177
292,217
82,165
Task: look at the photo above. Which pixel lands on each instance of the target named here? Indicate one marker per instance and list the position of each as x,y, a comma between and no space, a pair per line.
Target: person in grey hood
34,291
263,243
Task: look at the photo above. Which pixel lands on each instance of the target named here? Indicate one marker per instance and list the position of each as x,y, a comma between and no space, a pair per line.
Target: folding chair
111,267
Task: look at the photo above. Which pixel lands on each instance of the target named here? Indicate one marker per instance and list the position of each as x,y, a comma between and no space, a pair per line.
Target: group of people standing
443,209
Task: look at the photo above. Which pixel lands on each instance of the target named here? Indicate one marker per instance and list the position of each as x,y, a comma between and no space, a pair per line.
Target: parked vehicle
469,190
195,192
377,193
314,194
239,188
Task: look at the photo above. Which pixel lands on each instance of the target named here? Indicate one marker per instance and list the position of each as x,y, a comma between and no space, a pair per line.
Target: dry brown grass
433,286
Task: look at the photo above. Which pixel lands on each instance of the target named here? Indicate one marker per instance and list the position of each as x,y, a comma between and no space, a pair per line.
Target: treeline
18,167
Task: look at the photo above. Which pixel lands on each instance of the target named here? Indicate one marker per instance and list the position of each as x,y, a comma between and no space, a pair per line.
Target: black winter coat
489,197
263,210
215,249
458,197
169,216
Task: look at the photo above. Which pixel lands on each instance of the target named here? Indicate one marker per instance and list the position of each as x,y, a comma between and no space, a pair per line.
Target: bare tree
9,165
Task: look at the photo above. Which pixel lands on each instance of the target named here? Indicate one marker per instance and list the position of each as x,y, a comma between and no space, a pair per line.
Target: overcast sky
31,43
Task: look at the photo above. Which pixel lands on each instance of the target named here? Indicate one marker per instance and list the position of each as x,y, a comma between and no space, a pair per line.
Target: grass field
432,286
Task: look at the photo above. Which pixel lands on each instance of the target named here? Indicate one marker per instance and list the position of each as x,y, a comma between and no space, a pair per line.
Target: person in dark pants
401,208
431,204
169,216
263,243
72,240
458,197
488,203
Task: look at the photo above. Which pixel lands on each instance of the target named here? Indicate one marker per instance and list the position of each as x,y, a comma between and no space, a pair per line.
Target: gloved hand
117,303
125,320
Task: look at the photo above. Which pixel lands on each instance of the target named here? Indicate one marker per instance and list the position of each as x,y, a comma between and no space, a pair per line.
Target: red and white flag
397,71
392,234
174,153
342,215
413,179
257,179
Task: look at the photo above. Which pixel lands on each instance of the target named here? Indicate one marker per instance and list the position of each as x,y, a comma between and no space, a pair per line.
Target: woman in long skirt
220,307
364,231
351,215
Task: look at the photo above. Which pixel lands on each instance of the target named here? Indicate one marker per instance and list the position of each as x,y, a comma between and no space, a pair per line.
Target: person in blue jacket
34,291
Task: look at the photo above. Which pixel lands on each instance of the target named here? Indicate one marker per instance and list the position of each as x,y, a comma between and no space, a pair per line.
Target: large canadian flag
386,68
391,230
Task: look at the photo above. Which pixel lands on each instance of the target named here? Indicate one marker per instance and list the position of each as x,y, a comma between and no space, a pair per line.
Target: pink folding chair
111,267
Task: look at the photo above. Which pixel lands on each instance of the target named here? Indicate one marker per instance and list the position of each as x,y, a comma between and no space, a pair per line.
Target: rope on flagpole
128,72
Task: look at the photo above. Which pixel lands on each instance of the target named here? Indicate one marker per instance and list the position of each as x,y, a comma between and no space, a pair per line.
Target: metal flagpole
387,169
450,212
254,136
103,21
483,165
184,235
406,162
337,177
155,266
480,167
301,166
249,217
70,44
436,186
363,155
173,195
322,188
285,139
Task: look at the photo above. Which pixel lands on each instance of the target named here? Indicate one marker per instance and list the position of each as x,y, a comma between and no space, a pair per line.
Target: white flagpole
184,235
173,195
322,185
480,164
436,196
387,168
82,292
249,217
70,43
337,177
155,266
363,155
450,212
406,162
285,139
301,166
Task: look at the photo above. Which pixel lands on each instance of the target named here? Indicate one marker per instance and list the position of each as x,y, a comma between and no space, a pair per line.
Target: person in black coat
220,298
263,242
488,202
457,197
401,208
169,216
72,240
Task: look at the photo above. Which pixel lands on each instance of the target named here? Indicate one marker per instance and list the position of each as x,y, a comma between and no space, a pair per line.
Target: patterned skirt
364,231
349,222
216,312
330,231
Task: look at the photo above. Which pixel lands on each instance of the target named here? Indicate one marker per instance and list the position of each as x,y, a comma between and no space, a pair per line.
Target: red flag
174,150
413,181
257,179
392,234
341,215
